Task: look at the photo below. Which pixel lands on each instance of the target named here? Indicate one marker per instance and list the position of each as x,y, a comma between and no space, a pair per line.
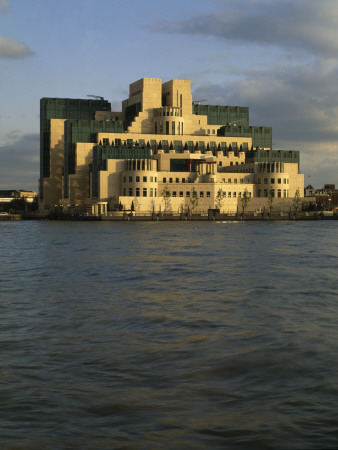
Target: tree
245,200
219,198
166,194
296,201
193,199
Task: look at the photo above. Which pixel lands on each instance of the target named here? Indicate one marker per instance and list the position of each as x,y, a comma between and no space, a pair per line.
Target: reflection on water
162,335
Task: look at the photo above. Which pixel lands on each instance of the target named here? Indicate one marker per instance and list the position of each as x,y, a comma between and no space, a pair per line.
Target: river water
187,335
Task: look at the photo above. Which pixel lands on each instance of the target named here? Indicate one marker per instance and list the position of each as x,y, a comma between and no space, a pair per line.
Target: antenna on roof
98,97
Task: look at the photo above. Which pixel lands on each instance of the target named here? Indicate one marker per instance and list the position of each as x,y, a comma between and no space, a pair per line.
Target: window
124,191
284,193
201,194
220,163
130,192
172,128
231,163
279,192
259,192
177,180
223,180
151,179
259,181
208,193
164,180
137,192
137,179
239,194
229,180
181,193
124,179
174,194
145,179
151,192
144,192
265,181
265,192
235,194
170,180
229,194
130,179
235,180
213,131
155,192
187,194
272,181
155,179
183,180
279,181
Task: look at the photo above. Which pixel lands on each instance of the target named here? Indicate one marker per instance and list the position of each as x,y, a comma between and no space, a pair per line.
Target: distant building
7,196
161,152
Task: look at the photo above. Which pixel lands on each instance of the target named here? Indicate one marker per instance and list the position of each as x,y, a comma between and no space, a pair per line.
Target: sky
278,57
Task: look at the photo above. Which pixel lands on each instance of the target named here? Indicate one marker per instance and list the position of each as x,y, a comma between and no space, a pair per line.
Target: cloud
11,48
306,25
4,6
19,167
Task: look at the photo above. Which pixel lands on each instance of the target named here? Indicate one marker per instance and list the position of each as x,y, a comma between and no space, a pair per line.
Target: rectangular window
137,192
151,179
265,192
279,181
201,194
155,179
181,193
144,192
272,181
229,194
187,193
170,180
151,192
229,180
259,192
177,180
284,193
130,179
155,192
235,194
172,128
174,193
164,180
137,179
124,191
183,180
239,194
279,192
265,181
208,193
167,127
124,179
144,179
235,180
220,163
130,192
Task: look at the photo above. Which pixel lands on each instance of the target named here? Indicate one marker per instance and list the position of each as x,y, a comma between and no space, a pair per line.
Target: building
162,152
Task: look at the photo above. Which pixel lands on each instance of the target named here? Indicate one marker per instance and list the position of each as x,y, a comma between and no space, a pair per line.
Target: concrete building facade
162,152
